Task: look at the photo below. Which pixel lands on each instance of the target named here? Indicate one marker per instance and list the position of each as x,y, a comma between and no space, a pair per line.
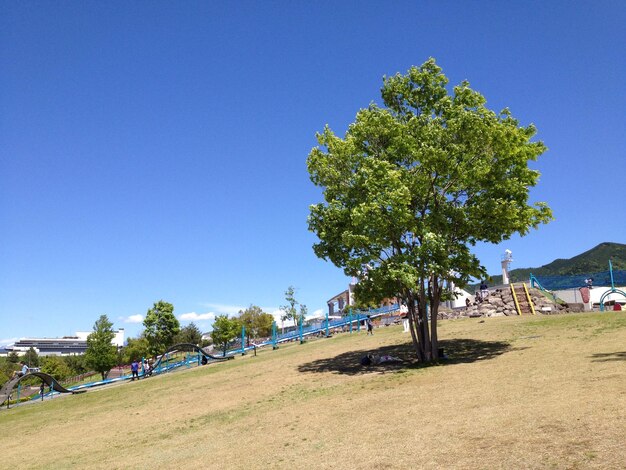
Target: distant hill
592,261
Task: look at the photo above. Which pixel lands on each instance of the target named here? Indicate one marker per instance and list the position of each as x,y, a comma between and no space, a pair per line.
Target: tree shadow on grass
606,357
457,351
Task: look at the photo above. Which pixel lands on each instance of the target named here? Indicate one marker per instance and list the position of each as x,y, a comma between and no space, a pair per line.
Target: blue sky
156,150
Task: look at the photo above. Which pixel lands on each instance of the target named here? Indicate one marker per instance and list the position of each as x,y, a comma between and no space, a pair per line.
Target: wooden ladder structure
523,302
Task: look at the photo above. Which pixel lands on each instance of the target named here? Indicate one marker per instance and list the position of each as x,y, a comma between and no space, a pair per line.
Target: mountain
592,261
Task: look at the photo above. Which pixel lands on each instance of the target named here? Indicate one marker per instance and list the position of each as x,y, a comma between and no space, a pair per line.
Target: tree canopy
57,367
224,331
414,184
100,355
257,322
161,327
135,349
189,334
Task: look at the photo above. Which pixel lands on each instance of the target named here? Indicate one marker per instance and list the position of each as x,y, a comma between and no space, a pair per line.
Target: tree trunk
423,314
414,327
423,331
434,312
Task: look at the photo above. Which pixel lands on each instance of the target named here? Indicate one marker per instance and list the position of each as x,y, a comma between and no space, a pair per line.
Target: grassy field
516,392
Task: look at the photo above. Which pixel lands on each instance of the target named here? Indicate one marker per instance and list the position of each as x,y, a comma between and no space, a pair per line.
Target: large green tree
224,331
161,327
101,355
414,184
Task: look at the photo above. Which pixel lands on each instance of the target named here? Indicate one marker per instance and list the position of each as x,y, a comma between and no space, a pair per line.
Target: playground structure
51,382
590,289
175,357
352,321
183,354
523,302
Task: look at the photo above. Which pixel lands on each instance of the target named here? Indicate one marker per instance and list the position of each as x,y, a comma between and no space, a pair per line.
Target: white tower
507,258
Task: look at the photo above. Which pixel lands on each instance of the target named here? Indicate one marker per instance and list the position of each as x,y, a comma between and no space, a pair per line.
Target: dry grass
529,392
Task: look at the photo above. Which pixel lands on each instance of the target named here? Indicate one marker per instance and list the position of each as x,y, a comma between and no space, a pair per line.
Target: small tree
257,322
136,348
101,355
224,331
31,358
56,367
161,327
13,358
303,312
189,334
290,311
263,325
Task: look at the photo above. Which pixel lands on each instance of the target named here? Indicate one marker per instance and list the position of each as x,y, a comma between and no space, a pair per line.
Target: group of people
480,296
134,369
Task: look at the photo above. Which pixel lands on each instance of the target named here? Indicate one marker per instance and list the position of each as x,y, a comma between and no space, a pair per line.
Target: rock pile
500,303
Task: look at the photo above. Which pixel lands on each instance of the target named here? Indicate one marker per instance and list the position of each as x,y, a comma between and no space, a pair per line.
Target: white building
66,346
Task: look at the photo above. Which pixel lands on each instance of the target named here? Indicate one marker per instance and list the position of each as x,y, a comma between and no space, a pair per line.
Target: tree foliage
101,355
13,357
290,311
256,321
135,349
31,358
189,334
161,327
6,370
56,367
224,331
414,184
76,364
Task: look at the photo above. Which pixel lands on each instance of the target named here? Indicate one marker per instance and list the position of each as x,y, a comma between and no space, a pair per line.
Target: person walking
370,325
134,369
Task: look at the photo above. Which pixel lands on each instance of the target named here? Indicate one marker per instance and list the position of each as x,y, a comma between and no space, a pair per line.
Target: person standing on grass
370,325
134,369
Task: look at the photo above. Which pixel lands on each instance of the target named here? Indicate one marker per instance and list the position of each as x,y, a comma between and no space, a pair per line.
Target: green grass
517,392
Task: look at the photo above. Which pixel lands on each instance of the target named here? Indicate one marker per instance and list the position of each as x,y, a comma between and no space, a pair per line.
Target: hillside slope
591,261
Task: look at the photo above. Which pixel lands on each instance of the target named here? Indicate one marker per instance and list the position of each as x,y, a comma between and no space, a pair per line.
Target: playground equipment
612,290
572,284
193,354
521,298
54,385
350,322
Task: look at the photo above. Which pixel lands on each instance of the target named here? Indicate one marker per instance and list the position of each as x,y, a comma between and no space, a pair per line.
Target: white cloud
133,319
193,316
7,341
318,313
229,310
